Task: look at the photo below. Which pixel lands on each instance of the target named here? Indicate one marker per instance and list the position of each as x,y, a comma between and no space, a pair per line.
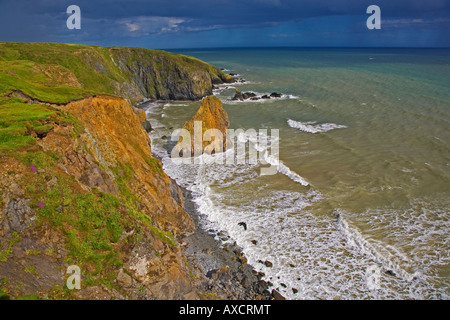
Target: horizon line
300,47
237,47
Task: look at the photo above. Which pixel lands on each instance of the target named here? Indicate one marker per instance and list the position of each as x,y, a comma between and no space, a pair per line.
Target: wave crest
312,127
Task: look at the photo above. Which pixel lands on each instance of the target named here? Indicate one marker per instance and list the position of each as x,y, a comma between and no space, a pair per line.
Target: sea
358,206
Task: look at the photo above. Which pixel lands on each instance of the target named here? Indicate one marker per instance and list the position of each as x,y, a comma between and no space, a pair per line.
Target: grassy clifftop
59,73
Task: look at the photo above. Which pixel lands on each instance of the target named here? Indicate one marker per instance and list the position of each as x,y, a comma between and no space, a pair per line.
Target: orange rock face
115,135
207,129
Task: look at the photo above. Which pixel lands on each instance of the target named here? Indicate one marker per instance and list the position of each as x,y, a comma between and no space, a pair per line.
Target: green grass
3,295
5,253
29,297
31,270
21,122
39,159
27,77
30,67
17,119
155,165
91,222
32,252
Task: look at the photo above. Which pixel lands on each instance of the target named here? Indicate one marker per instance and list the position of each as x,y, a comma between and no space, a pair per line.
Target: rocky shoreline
222,269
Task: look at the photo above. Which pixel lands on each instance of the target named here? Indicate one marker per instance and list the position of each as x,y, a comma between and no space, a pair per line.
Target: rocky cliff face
167,77
210,115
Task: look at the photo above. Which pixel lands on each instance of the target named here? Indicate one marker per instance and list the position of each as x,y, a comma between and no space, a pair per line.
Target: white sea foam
356,239
312,127
283,169
175,105
260,100
271,158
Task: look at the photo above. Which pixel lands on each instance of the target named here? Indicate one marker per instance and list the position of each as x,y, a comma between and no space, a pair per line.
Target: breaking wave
312,127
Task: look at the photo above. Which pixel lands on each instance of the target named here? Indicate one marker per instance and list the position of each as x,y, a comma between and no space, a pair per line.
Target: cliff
78,183
89,193
211,115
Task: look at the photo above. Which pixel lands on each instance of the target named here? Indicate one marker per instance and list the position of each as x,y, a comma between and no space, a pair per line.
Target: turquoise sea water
360,206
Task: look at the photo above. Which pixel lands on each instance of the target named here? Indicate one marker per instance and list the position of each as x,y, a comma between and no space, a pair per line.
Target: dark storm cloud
116,21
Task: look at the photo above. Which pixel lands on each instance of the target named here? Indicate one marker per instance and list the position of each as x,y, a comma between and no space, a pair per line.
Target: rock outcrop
252,96
131,73
243,96
211,118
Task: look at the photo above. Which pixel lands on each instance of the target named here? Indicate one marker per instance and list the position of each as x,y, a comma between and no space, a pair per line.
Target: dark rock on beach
390,273
221,269
147,126
268,264
277,296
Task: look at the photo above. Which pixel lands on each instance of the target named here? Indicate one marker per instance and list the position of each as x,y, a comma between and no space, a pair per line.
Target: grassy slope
23,66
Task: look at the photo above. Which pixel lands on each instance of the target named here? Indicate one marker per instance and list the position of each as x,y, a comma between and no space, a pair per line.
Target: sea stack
207,129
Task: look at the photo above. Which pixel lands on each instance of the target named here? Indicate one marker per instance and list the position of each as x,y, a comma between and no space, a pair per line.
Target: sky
173,24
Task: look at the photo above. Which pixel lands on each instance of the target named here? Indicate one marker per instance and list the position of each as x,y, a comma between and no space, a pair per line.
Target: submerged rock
243,96
243,224
238,95
253,96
